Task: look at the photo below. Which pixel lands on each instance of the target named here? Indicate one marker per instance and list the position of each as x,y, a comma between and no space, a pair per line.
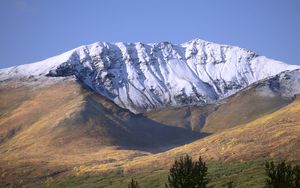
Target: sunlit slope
58,127
241,108
65,113
64,129
275,135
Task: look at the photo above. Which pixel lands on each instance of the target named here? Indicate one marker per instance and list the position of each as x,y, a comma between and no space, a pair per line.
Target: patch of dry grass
271,136
233,111
65,130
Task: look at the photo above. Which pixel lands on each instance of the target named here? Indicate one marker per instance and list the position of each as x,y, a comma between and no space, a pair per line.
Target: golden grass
44,143
273,135
235,110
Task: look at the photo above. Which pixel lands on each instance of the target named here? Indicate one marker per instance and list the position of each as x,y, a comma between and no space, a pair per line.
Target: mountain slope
58,127
68,112
142,77
64,129
238,109
272,136
256,100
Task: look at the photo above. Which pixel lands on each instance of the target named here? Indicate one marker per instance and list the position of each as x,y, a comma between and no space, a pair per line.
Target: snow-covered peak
196,41
285,84
143,77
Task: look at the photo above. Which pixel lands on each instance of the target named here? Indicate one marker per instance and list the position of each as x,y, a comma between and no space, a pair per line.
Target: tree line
186,173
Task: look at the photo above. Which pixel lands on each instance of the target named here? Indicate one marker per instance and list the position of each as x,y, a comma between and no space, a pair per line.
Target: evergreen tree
296,176
188,174
133,184
282,175
229,184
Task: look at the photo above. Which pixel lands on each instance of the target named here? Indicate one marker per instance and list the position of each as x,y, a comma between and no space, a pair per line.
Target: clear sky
33,30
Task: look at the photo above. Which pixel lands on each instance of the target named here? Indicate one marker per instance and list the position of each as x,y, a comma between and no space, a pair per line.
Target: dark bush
133,184
282,175
185,173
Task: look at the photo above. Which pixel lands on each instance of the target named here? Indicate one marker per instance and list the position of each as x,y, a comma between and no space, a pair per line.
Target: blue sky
33,30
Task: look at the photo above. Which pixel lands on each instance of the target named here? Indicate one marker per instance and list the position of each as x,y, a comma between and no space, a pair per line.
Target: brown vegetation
63,129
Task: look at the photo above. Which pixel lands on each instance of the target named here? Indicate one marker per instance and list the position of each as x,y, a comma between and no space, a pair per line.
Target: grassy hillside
66,135
56,128
242,174
241,108
273,135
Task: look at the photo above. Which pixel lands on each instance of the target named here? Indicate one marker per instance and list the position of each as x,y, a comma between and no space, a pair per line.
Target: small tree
185,173
133,184
229,184
282,175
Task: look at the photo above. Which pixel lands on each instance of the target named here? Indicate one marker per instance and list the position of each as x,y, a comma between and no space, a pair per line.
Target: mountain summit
143,77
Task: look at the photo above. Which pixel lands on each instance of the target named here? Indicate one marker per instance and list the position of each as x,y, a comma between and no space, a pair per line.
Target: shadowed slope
65,113
272,136
100,119
61,126
63,129
275,135
238,109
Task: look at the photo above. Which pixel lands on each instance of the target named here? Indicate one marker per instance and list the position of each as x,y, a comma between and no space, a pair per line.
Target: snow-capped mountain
142,77
285,84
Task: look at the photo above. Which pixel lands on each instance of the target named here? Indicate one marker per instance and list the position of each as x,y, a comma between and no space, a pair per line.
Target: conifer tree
185,173
282,175
133,184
